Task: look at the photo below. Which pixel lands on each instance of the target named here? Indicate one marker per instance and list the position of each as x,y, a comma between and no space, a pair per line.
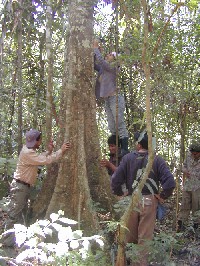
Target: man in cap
106,88
191,187
26,174
141,222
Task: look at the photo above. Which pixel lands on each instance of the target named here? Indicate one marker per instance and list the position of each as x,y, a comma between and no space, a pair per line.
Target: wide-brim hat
31,137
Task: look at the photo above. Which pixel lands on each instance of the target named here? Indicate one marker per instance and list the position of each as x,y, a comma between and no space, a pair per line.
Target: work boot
180,226
124,146
196,225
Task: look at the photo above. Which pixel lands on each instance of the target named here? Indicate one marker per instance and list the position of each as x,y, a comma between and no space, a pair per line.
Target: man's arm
165,177
119,177
97,67
43,159
101,61
108,165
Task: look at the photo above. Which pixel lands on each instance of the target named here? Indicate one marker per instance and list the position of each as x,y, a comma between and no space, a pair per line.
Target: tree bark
80,180
79,169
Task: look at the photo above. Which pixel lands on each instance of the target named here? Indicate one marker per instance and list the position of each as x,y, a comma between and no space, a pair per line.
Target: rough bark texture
80,180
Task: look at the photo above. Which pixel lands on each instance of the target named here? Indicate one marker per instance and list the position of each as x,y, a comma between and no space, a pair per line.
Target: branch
178,5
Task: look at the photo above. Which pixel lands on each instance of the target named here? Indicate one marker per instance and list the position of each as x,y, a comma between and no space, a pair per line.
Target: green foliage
133,252
161,248
54,242
121,205
7,166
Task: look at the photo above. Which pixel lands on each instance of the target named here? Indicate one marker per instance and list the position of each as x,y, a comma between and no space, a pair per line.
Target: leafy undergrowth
52,242
55,242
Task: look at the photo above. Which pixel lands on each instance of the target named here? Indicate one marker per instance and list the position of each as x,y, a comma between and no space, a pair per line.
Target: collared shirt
192,182
28,162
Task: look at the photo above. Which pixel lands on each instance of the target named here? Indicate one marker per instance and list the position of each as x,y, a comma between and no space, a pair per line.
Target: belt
22,182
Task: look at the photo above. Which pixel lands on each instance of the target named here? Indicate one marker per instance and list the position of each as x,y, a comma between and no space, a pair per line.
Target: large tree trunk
79,169
80,180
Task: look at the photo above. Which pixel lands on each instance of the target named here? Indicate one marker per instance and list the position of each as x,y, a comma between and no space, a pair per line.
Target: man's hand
104,163
96,44
66,146
123,196
187,173
161,200
107,164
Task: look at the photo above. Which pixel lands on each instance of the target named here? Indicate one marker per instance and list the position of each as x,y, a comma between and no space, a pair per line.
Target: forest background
47,82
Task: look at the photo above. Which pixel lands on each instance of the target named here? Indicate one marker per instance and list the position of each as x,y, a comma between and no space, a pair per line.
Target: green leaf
56,226
67,221
47,231
77,234
74,244
43,222
54,217
65,233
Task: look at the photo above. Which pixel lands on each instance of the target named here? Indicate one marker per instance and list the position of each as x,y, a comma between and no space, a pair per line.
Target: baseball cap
31,137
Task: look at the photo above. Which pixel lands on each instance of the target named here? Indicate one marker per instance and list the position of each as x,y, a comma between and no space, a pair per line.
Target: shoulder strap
141,165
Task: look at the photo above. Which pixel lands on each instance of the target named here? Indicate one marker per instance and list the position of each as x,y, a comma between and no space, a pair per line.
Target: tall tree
80,180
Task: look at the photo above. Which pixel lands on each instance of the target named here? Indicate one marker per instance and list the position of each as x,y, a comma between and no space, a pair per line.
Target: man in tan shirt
26,174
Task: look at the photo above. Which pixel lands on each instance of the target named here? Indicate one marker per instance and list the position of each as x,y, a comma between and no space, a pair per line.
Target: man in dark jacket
142,221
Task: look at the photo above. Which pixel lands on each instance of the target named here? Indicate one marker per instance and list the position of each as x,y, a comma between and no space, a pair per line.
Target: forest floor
179,249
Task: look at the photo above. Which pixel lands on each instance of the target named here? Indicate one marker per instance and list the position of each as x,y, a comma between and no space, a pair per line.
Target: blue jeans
110,107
